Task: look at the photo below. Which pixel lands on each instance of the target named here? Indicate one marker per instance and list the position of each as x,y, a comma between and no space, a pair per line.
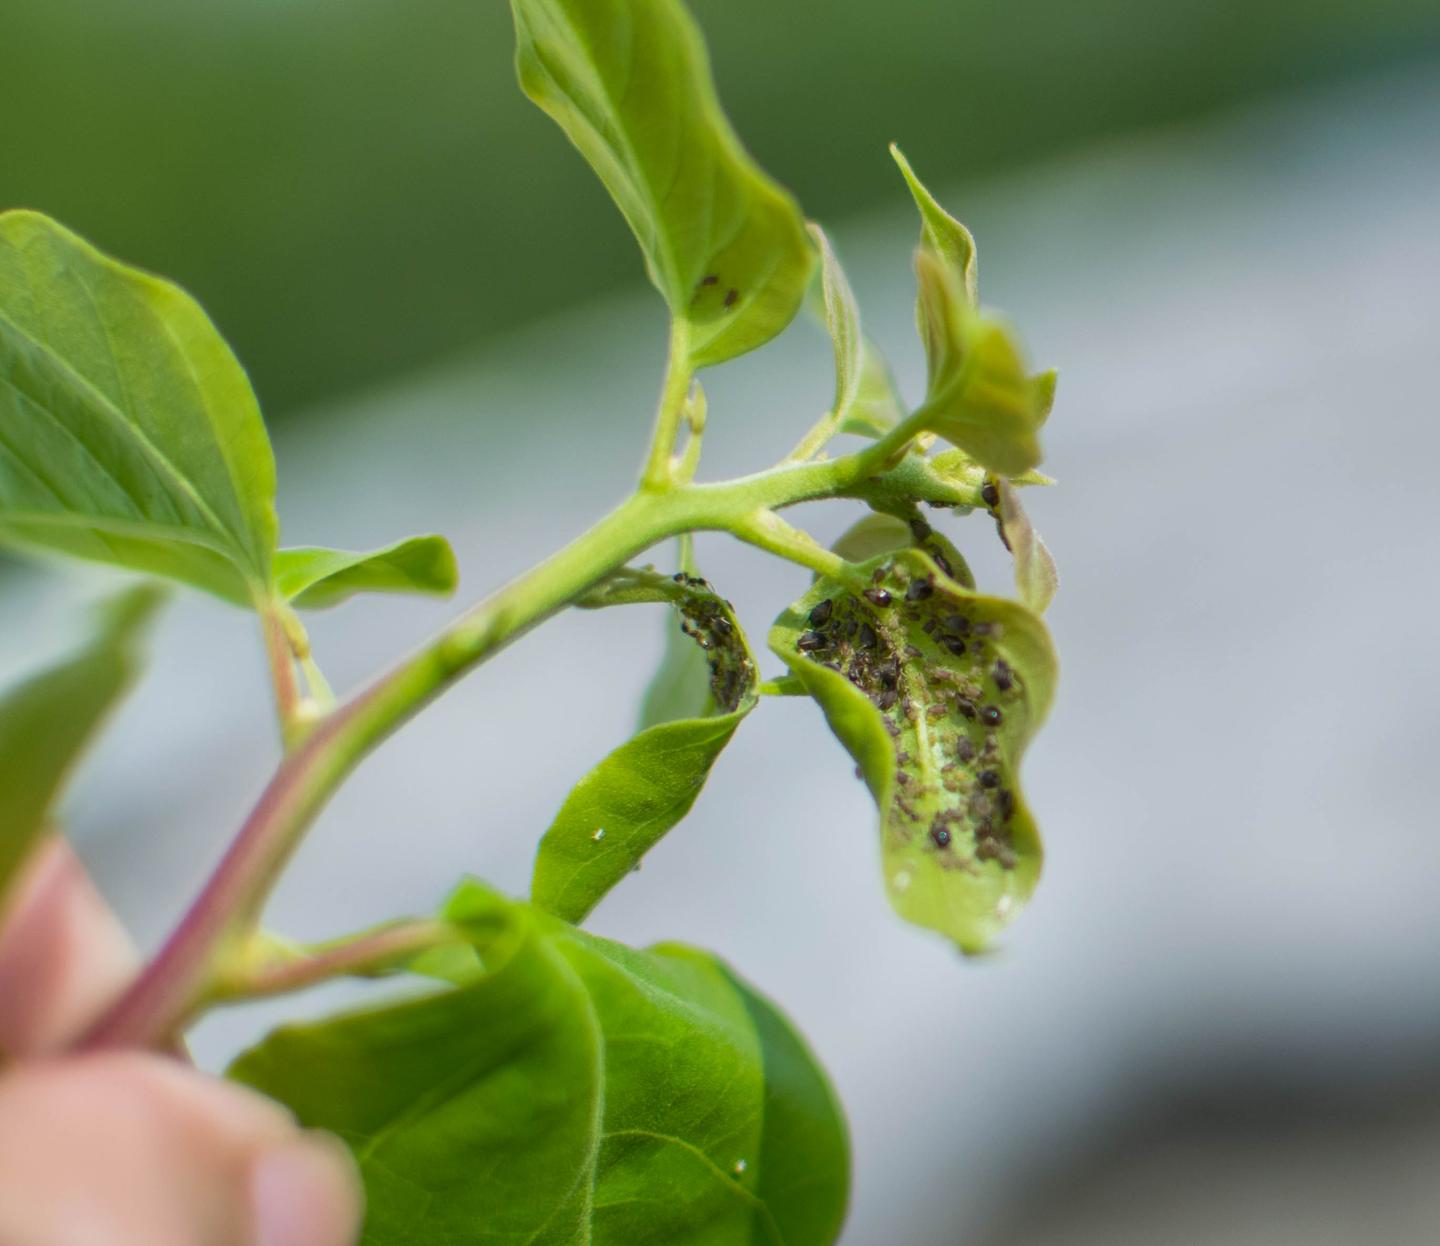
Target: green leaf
128,431
866,401
935,690
317,578
879,534
1036,576
572,1091
980,396
941,232
46,722
629,83
626,804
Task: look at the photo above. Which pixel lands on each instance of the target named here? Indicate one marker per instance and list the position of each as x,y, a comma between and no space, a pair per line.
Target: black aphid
886,700
679,577
957,624
943,563
809,642
941,836
878,597
730,296
920,528
992,716
1007,803
991,494
919,590
820,613
964,750
889,673
928,627
709,279
866,640
988,778
955,645
1003,677
722,625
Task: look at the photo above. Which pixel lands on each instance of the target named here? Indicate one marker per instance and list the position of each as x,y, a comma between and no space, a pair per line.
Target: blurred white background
1219,1021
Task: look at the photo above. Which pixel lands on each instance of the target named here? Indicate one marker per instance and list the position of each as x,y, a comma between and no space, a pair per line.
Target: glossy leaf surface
935,690
627,803
317,578
47,721
629,83
572,1091
128,431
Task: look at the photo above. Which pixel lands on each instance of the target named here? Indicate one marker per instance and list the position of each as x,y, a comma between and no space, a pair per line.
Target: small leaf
318,578
46,722
629,83
980,397
572,1090
128,431
1036,576
866,401
627,803
875,535
935,690
941,232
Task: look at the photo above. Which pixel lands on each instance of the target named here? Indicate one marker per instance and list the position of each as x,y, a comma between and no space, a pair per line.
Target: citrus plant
548,1085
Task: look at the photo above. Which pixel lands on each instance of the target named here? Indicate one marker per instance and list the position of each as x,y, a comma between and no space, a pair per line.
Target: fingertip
305,1191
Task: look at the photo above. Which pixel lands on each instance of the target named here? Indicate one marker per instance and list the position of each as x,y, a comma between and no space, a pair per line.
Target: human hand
129,1148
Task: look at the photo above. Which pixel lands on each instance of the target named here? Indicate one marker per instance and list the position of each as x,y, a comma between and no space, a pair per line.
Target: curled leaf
941,232
629,83
315,579
1036,577
570,1090
935,690
626,804
47,721
980,396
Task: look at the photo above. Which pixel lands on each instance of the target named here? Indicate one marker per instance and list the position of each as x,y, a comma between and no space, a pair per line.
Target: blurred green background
356,187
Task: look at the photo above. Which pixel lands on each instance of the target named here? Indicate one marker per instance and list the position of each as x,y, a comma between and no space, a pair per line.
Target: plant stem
660,466
178,980
281,660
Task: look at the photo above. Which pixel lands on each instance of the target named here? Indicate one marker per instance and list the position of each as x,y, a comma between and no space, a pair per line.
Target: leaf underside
935,690
629,82
315,579
572,1091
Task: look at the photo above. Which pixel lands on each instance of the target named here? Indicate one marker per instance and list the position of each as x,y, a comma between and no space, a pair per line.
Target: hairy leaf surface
629,83
46,722
935,690
572,1091
128,431
627,803
315,579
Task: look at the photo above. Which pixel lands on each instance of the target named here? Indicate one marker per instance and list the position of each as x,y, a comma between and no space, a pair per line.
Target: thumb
122,1149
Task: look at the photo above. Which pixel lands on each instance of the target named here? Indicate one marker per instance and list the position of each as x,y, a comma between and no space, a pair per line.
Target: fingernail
305,1192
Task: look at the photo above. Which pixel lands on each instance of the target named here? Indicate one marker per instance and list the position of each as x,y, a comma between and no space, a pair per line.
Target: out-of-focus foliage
394,197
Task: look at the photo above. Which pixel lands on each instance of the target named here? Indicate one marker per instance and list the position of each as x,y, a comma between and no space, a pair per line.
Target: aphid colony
708,621
928,663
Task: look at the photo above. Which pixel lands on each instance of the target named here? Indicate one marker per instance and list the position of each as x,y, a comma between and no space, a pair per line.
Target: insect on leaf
572,1090
626,804
629,83
128,431
315,579
47,721
935,690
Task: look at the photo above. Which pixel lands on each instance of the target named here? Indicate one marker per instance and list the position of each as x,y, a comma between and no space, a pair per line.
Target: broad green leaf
1036,577
866,401
46,722
980,396
626,804
128,431
629,83
935,690
941,232
317,578
572,1091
